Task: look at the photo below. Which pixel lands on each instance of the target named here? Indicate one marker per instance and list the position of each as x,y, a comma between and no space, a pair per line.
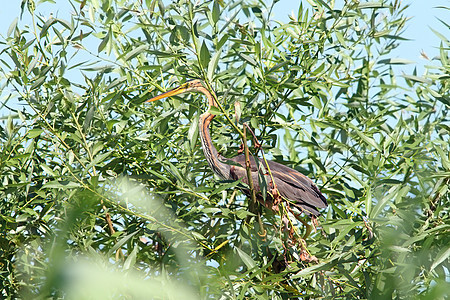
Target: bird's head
190,86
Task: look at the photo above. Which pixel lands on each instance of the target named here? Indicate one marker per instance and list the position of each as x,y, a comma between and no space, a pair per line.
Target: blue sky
423,16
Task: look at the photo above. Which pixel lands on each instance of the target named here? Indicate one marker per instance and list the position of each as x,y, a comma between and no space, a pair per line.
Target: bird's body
291,185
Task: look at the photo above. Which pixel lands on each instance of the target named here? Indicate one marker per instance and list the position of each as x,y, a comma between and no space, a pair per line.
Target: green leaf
416,79
121,242
193,133
104,42
395,61
12,26
308,271
46,26
38,82
61,184
131,259
204,55
212,66
248,261
89,117
241,214
65,24
392,193
226,186
60,37
216,12
340,38
371,5
32,133
48,170
248,59
133,53
443,255
164,53
368,140
444,157
215,110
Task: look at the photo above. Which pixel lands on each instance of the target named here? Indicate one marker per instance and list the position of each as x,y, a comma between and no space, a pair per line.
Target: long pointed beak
176,91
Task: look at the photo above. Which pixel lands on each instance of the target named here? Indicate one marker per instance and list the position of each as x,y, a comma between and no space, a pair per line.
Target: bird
282,182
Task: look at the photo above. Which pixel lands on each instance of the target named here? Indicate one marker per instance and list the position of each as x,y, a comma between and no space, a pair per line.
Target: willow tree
105,196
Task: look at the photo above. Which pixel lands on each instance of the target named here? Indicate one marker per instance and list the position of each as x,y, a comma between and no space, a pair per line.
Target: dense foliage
104,196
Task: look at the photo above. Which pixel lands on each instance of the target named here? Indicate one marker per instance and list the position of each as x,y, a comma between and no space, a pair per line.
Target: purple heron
292,186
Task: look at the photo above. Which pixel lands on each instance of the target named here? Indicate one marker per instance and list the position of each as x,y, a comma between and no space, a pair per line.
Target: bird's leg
294,240
258,145
253,207
305,255
275,194
307,226
241,149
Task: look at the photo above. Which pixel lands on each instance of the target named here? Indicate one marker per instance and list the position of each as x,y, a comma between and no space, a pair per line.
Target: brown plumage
292,186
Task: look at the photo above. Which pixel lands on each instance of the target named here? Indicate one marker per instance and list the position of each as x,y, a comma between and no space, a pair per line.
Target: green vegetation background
103,196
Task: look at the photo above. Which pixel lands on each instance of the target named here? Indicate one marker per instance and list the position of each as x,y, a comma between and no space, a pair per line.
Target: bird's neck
212,156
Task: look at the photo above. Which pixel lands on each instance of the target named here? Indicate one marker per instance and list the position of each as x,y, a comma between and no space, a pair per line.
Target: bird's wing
291,184
298,186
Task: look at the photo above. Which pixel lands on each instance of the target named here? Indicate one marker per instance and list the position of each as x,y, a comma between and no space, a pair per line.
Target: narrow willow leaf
133,53
212,66
59,35
215,110
204,55
116,82
12,26
248,261
48,170
278,66
396,61
440,35
193,133
89,116
242,213
104,42
443,255
32,133
121,242
340,38
416,78
392,193
198,236
308,271
163,53
368,140
65,23
371,5
47,24
131,259
444,157
216,12
230,20
61,184
225,186
248,59
38,82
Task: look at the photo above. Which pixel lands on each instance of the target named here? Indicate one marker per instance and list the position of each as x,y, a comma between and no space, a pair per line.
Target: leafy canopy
104,195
